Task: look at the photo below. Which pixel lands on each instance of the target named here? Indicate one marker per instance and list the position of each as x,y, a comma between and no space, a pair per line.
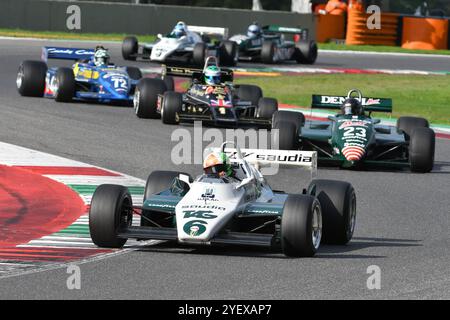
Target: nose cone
353,153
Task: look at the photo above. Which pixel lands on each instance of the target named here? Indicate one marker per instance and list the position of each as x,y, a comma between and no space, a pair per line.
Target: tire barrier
425,33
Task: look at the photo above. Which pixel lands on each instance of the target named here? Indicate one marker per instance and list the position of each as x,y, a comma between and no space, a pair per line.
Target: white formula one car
240,209
185,46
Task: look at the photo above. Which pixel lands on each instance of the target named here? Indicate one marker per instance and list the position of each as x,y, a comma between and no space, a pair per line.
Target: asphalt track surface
402,226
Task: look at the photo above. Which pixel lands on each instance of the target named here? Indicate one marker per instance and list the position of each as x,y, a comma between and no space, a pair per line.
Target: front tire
134,73
228,53
408,124
31,78
296,118
65,85
146,97
130,47
172,103
157,182
421,149
199,54
338,202
111,210
301,226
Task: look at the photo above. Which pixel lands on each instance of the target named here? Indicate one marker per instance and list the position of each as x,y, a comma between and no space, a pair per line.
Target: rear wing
335,102
306,159
66,53
194,73
287,30
210,31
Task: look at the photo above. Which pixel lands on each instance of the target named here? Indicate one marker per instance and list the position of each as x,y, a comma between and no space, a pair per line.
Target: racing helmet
351,106
180,29
212,75
254,31
217,163
101,57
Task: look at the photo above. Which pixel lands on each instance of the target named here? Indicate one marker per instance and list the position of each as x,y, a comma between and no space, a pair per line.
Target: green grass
18,33
415,95
343,47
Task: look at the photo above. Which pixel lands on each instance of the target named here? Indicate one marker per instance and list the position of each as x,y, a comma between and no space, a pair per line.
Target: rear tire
111,210
134,73
285,137
65,85
157,182
338,202
170,83
306,52
199,54
408,124
171,105
130,47
228,53
31,78
266,108
301,217
146,97
247,92
421,149
268,52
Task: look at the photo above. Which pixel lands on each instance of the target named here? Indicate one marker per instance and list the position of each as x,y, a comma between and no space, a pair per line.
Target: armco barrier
98,17
359,33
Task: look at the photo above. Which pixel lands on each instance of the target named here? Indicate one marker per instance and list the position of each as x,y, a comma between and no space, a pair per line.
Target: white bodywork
167,46
212,202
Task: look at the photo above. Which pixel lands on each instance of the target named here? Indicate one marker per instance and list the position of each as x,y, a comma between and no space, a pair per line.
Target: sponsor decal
203,206
353,152
208,195
160,205
340,100
78,52
199,214
195,228
356,122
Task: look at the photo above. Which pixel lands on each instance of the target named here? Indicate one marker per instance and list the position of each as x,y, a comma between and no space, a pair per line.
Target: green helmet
212,75
217,163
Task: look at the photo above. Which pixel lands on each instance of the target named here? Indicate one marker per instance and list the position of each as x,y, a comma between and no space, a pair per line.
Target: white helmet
254,31
101,57
180,29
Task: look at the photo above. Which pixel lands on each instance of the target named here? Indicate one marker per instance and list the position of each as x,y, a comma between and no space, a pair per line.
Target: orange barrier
330,27
358,33
425,33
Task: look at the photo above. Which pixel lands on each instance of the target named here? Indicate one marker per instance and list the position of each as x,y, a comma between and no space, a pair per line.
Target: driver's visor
217,169
212,79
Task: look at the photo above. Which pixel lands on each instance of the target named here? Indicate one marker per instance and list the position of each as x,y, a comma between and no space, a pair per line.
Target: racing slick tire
268,52
407,124
170,83
158,181
247,92
130,47
64,85
31,78
111,210
297,118
338,202
199,54
301,226
228,53
421,149
171,105
146,97
266,108
306,52
134,73
285,137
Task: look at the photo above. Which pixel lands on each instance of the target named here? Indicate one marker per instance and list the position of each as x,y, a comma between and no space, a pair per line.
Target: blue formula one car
91,78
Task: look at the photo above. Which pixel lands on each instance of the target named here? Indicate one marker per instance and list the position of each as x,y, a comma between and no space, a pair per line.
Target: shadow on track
325,251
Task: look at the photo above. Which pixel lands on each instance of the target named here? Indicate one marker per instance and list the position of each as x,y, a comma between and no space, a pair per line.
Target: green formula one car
353,139
268,45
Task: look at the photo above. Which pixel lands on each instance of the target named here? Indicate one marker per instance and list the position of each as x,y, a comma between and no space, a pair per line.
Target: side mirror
184,178
160,36
244,182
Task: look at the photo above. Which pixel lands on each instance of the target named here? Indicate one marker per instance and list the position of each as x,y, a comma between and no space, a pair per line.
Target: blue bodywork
104,84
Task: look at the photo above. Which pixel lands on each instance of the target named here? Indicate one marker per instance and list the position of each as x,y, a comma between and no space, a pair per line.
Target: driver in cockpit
218,164
352,106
